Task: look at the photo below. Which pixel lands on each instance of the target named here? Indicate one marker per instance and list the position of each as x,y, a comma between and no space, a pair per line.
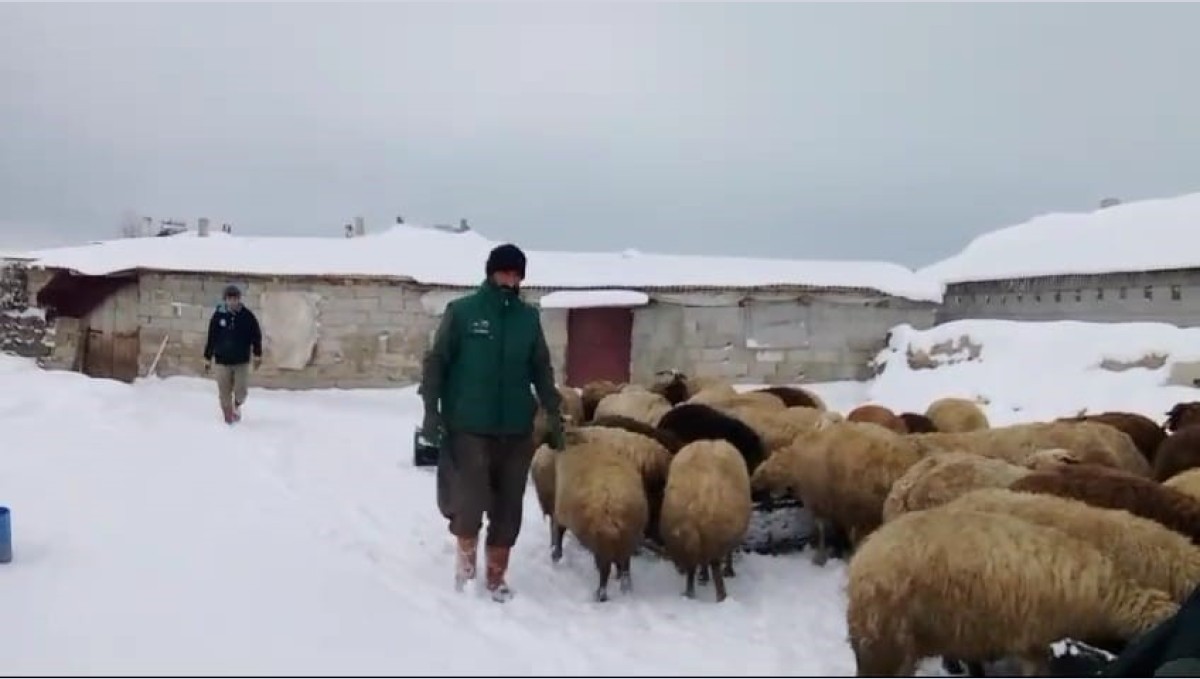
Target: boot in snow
464,561
237,412
230,416
497,566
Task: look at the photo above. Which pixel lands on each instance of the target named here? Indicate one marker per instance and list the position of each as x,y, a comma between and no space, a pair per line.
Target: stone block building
360,312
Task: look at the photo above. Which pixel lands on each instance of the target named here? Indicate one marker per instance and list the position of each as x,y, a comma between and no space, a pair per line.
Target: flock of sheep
965,542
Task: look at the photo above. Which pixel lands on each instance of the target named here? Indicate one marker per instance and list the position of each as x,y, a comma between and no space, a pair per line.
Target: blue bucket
5,535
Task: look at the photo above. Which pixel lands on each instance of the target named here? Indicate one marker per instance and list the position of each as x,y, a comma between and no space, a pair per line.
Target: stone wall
367,333
1164,297
22,328
774,341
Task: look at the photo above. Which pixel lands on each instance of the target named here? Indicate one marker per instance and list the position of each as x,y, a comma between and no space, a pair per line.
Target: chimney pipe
202,227
360,226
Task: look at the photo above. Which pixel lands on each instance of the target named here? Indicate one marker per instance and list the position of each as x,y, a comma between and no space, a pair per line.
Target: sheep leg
702,576
605,569
821,555
690,590
625,576
718,580
728,570
557,531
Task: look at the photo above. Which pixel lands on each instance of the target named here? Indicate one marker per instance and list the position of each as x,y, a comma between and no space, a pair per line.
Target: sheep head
1182,415
1050,458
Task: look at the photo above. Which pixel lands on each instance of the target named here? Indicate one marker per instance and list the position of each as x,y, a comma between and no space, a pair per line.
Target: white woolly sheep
978,586
644,406
706,510
1186,482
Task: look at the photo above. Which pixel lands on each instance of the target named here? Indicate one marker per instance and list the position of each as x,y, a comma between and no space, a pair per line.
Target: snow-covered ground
152,538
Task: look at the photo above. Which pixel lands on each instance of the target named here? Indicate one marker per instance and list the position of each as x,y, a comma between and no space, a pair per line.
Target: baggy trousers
232,383
480,474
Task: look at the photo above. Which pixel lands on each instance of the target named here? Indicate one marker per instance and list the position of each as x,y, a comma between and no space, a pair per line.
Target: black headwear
232,291
507,257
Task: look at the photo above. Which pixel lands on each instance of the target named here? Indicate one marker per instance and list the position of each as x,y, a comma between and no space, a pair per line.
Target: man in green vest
479,409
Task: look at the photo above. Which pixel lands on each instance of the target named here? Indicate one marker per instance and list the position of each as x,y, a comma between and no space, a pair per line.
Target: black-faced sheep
1144,551
673,386
979,585
644,406
879,416
600,497
942,477
795,396
916,423
956,415
691,422
1177,453
706,511
1114,489
1144,432
591,395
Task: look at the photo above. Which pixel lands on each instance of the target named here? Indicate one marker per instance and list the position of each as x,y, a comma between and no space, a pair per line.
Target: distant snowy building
361,311
1137,261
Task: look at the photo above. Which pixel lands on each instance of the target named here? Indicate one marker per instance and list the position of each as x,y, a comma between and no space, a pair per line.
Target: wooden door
112,339
599,345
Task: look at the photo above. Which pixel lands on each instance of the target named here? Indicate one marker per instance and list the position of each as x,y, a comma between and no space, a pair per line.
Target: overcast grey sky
824,131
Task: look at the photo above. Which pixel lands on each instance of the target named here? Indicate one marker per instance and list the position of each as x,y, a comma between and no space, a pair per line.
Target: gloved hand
431,426
257,362
554,432
208,365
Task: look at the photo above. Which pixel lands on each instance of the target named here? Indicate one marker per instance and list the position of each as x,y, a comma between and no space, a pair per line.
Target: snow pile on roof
6,255
443,258
585,299
1146,235
1037,371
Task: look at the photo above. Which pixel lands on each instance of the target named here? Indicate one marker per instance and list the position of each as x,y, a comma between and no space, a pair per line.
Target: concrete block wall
370,333
825,339
1164,297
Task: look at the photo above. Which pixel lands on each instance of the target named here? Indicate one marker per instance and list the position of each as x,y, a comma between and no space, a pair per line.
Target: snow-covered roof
438,257
13,255
1147,235
586,299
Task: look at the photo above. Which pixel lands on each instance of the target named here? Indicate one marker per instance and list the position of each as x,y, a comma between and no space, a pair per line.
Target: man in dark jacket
488,350
233,335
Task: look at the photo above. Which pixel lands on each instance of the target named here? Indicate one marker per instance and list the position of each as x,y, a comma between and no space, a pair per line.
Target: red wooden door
599,345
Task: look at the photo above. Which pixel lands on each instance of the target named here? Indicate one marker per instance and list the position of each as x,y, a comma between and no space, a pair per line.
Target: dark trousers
484,474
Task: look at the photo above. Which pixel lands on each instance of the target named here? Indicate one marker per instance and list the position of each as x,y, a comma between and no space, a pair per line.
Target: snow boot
237,412
497,566
230,416
464,561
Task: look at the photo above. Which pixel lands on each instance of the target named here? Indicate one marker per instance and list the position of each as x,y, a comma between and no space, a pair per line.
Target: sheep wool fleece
488,350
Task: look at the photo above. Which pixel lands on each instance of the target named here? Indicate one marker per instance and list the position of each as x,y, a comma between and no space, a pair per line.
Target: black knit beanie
507,257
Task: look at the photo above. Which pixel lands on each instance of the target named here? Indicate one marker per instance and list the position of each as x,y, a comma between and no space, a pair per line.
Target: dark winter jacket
232,336
488,350
1175,639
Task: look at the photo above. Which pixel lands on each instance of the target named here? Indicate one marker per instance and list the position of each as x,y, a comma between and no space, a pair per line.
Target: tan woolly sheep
942,477
779,428
644,406
1090,442
571,411
1144,551
1186,482
979,585
600,497
720,398
843,474
591,395
706,510
956,415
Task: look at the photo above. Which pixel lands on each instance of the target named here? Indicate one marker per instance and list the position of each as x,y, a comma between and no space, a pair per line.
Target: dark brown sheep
916,423
1182,415
792,397
1146,435
1178,452
874,414
1114,489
